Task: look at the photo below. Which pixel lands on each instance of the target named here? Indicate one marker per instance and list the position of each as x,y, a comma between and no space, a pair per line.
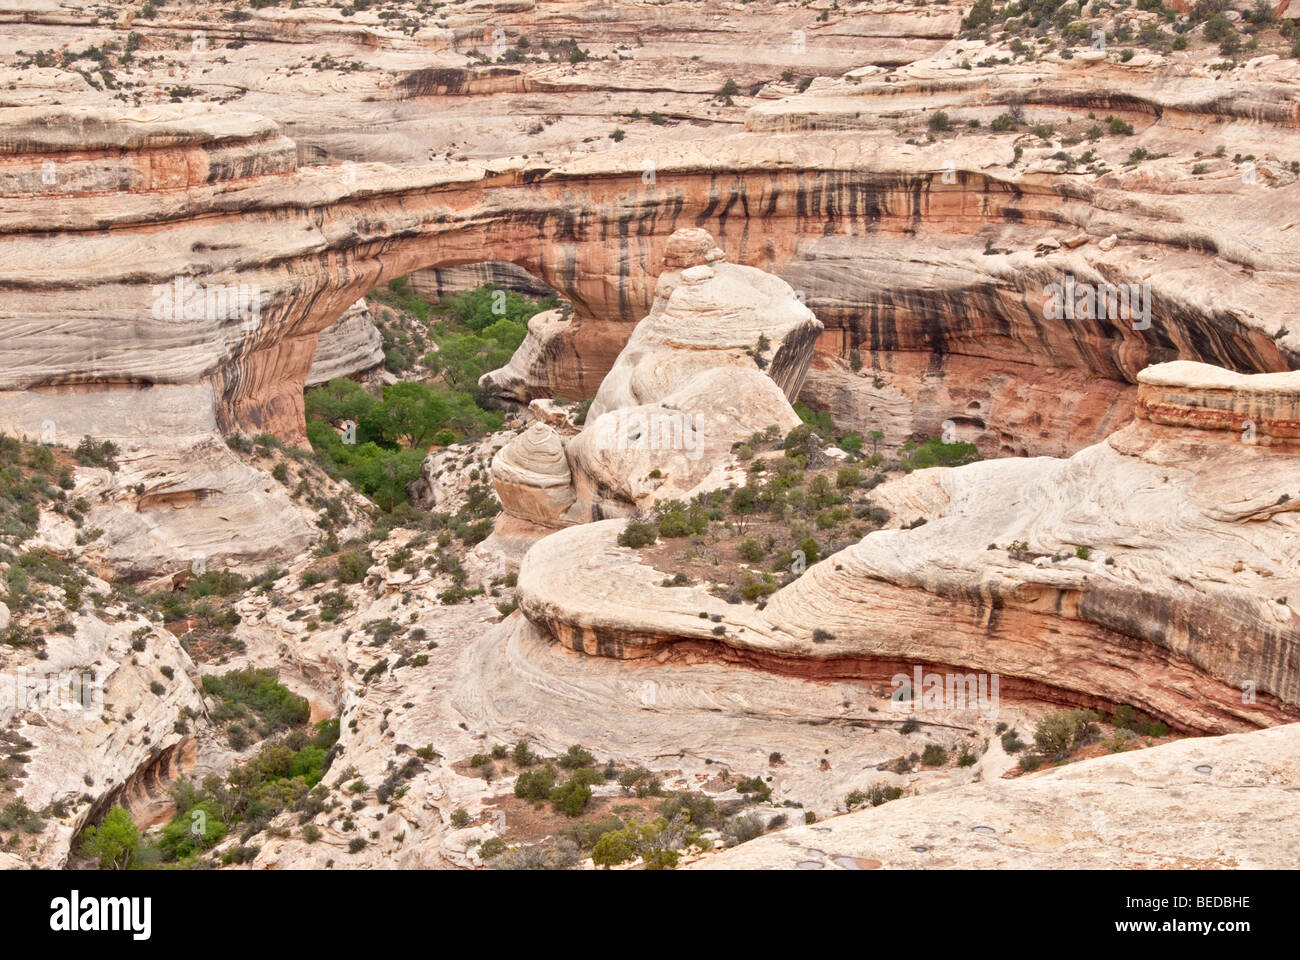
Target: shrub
113,843
571,798
352,566
535,784
875,795
1060,734
751,587
697,809
613,848
934,755
1127,718
1217,27
333,604
1003,122
637,534
17,814
576,757
523,755
755,786
92,454
742,829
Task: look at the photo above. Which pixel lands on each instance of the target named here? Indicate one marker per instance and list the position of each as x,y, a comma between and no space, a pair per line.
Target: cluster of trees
255,697
1058,735
285,774
483,329
378,443
936,453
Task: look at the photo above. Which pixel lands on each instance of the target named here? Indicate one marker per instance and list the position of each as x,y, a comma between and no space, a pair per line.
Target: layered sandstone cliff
927,262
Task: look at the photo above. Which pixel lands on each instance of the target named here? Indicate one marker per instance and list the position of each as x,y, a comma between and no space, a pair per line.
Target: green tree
195,829
340,399
112,843
613,848
409,416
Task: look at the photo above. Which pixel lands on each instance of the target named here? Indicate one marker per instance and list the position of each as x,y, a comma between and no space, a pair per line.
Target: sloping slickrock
1195,804
1158,569
179,495
97,727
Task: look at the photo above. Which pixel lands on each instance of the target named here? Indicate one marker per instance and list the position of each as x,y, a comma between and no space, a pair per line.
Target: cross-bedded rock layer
1157,568
923,260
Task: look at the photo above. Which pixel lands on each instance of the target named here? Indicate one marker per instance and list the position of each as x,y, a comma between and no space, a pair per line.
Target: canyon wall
910,273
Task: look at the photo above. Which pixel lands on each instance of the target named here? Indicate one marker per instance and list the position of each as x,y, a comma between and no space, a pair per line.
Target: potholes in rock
856,863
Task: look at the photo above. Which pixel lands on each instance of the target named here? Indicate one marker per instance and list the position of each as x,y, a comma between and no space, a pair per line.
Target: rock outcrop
531,475
723,350
935,233
1155,569
709,313
99,712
